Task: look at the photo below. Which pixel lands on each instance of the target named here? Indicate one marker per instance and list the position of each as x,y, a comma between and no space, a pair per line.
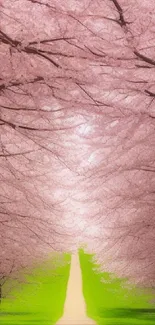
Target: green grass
40,300
110,302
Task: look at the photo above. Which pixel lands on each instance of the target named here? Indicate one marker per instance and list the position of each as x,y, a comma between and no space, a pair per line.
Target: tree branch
121,21
144,58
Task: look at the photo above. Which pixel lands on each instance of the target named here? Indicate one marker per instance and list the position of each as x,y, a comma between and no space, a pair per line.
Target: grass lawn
40,300
110,303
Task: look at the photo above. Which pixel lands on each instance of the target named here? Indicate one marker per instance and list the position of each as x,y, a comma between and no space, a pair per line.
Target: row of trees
77,124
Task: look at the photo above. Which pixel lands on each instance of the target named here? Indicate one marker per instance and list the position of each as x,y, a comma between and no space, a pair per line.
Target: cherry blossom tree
123,180
77,124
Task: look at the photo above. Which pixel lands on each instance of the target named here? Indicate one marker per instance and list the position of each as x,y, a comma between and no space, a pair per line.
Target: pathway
75,308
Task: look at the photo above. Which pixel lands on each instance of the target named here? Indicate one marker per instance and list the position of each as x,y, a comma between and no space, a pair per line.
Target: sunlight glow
84,129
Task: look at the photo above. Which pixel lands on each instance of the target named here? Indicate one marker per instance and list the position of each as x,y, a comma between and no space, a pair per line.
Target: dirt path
75,308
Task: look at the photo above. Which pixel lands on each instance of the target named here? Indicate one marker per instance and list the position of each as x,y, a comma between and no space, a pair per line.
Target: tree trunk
0,293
